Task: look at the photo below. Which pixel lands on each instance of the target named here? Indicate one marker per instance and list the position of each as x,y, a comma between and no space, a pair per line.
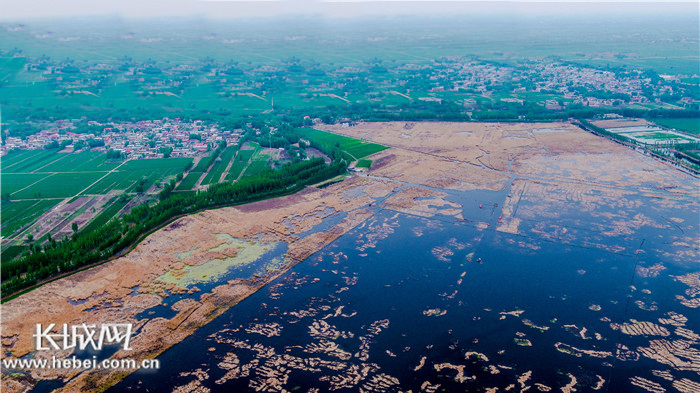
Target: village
554,84
135,140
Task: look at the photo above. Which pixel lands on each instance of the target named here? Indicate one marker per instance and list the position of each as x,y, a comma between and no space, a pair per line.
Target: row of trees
84,248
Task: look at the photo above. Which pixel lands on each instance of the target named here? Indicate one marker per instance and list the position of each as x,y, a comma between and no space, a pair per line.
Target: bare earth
545,165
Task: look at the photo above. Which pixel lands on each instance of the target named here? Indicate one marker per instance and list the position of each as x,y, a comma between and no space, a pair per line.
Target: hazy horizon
26,10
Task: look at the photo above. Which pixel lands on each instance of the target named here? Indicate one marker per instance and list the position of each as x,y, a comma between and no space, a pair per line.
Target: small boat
478,260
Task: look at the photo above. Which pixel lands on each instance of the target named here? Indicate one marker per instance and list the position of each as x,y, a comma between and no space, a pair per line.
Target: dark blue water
555,279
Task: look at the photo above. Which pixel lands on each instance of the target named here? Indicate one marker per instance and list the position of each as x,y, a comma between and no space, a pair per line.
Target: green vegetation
33,181
239,164
259,164
665,136
364,164
355,148
691,125
11,252
87,247
114,206
16,214
128,176
204,163
59,185
235,171
189,181
13,182
220,165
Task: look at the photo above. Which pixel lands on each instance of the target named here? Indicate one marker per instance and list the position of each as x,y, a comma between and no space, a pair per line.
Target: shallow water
405,269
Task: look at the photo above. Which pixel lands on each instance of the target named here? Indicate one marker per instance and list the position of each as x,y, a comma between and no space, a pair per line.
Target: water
421,266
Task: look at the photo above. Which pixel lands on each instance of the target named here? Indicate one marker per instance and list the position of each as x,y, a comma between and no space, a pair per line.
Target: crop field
37,164
113,208
240,163
653,135
236,168
80,162
28,162
11,252
691,125
37,180
189,181
13,182
127,175
59,185
356,148
220,165
259,164
202,164
157,164
12,159
117,180
364,163
16,214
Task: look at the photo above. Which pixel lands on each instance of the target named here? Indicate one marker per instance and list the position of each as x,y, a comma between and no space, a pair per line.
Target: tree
166,150
53,145
74,226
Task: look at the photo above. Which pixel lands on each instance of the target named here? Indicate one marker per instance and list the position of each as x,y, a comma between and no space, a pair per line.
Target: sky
18,10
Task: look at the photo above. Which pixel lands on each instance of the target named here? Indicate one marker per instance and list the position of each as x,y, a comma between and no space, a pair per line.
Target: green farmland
189,181
691,125
116,205
220,165
236,168
127,176
260,163
239,164
355,147
16,214
35,181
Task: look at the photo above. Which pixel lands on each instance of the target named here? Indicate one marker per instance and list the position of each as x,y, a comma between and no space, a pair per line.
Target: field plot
128,175
12,159
16,214
243,158
691,125
11,252
59,185
356,148
13,182
236,169
259,164
202,165
364,164
80,162
28,162
653,135
220,165
189,181
37,180
113,208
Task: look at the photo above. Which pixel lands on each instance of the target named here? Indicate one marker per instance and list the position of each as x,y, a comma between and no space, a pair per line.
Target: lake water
401,288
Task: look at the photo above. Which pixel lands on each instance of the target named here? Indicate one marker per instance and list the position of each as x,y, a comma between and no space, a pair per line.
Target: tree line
83,248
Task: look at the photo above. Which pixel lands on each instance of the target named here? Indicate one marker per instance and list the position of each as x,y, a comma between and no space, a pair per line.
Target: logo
83,336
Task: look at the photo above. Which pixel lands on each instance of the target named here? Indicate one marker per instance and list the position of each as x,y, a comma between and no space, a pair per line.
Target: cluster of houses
567,80
143,139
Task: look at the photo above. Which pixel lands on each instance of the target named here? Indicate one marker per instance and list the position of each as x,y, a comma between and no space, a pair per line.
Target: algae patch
247,252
